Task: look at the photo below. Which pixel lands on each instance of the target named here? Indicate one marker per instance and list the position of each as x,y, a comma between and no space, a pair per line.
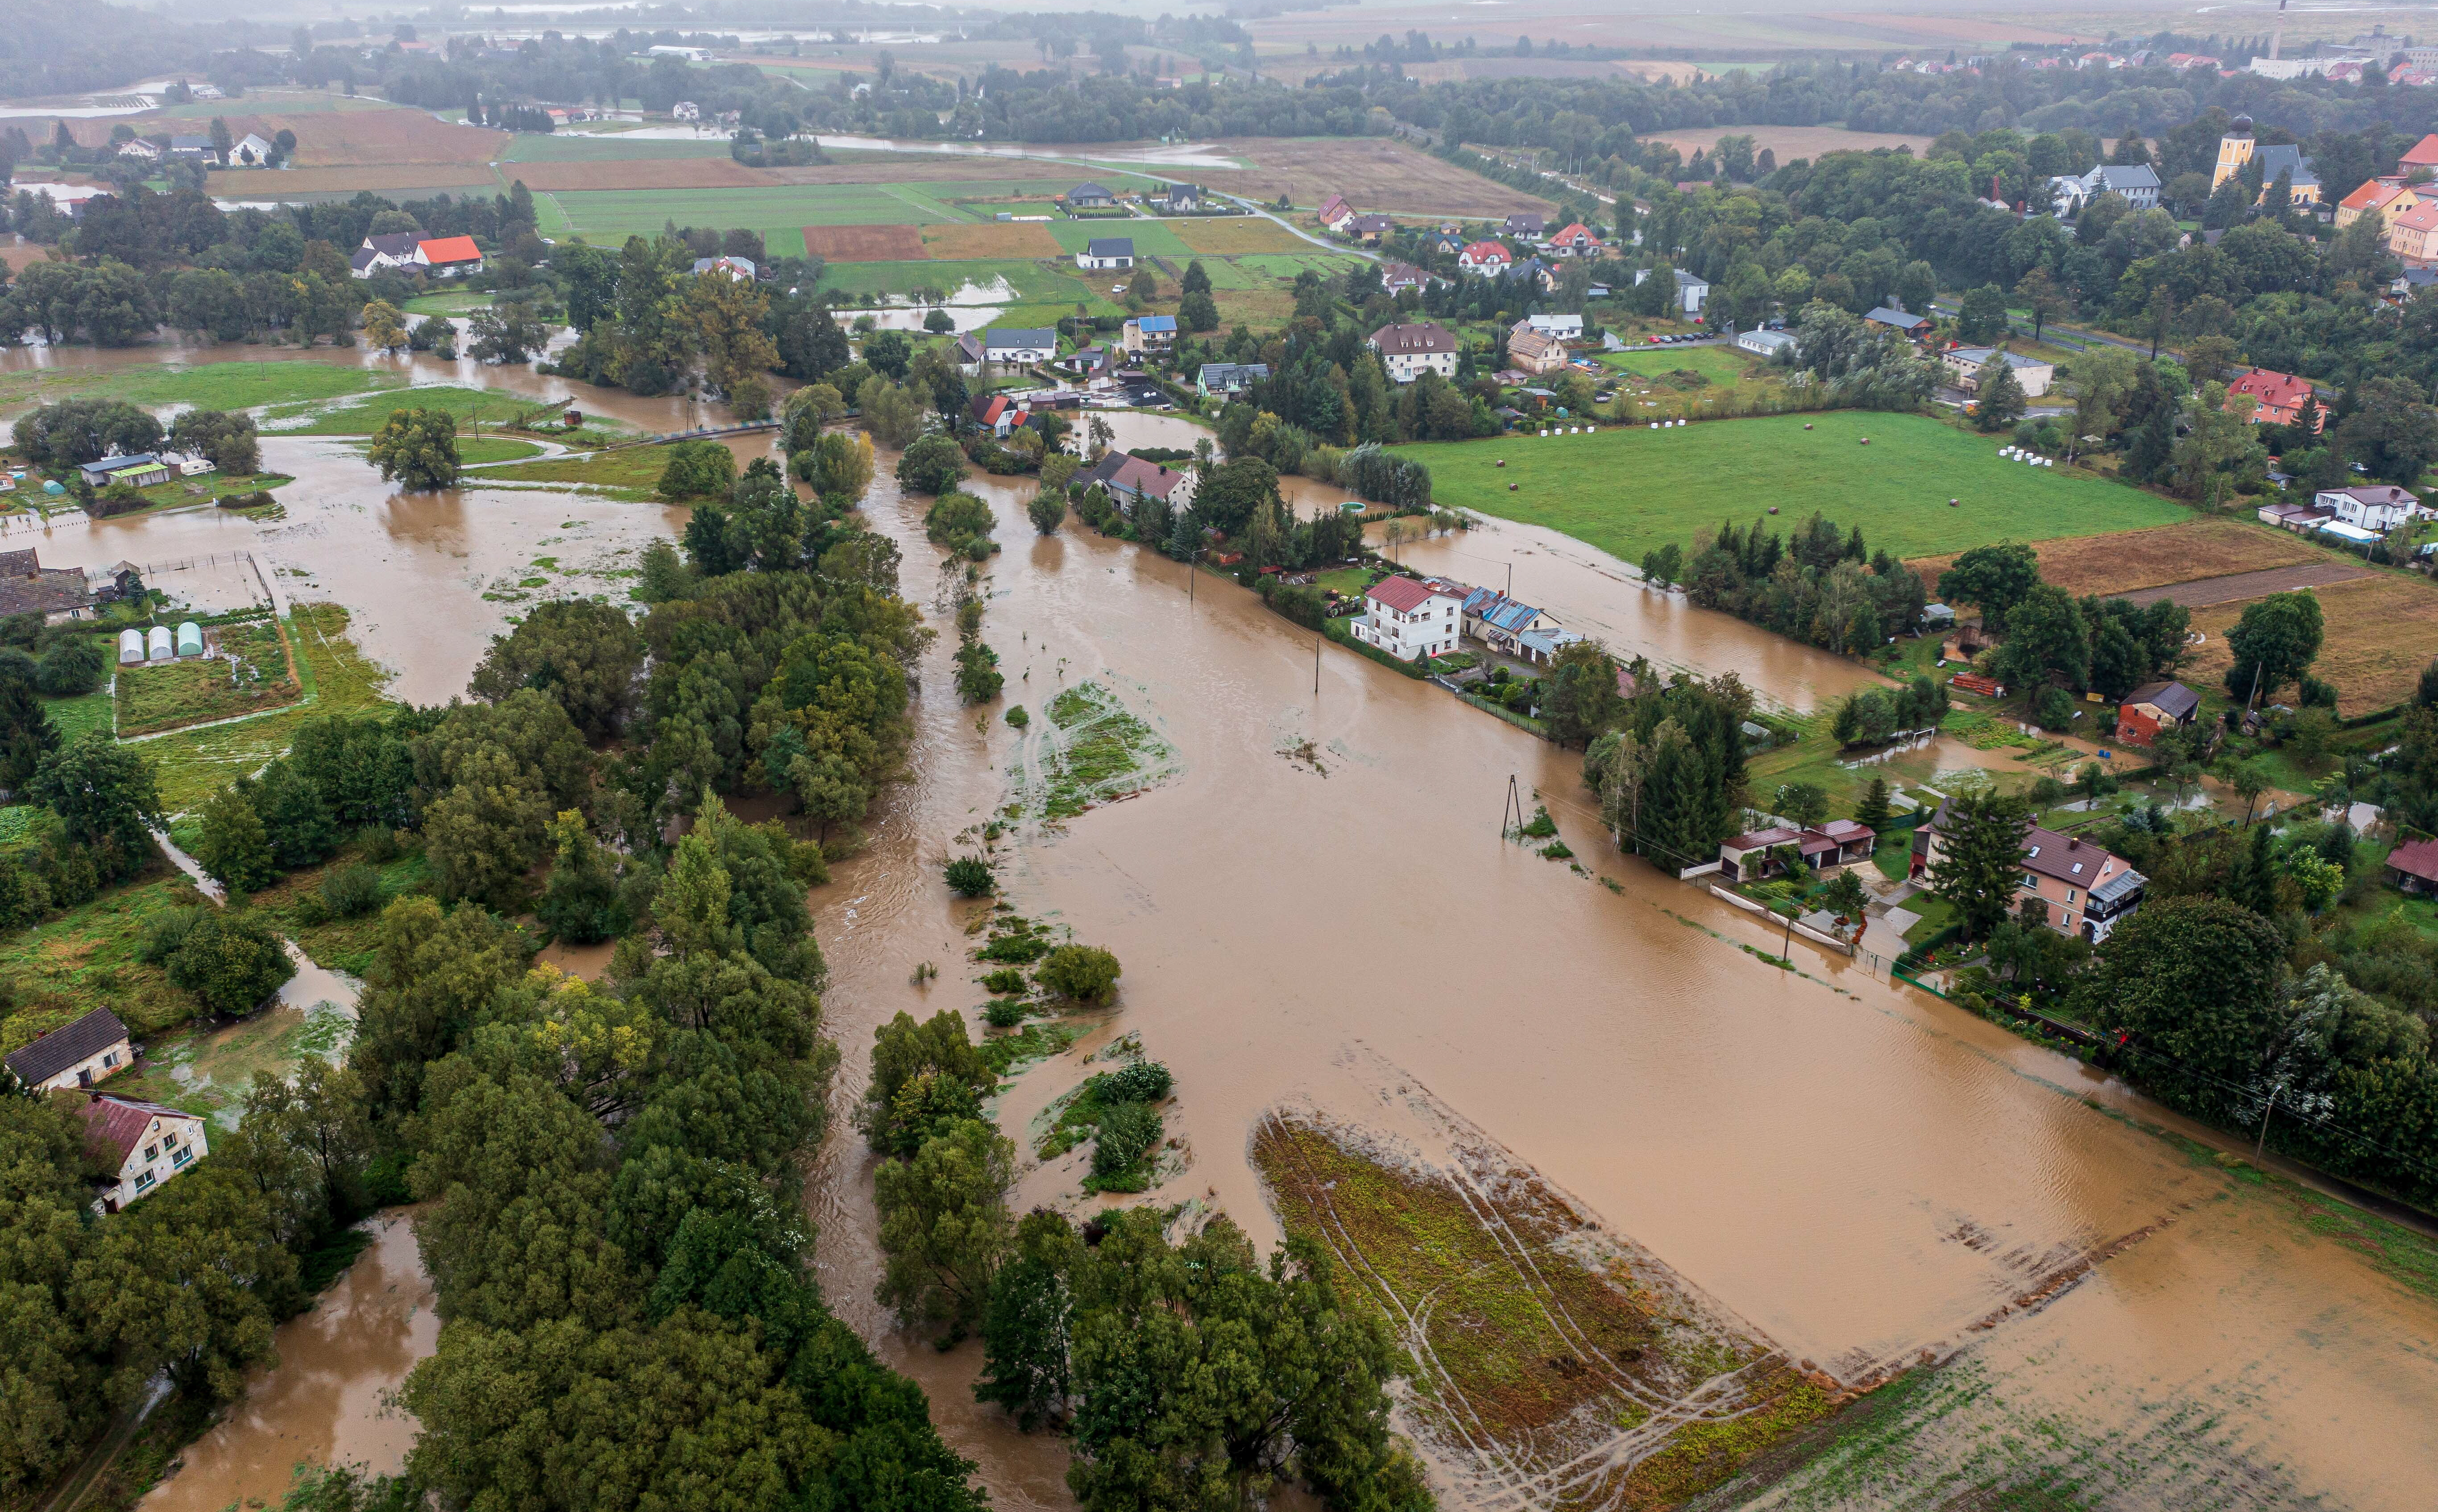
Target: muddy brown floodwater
325,1400
1862,1174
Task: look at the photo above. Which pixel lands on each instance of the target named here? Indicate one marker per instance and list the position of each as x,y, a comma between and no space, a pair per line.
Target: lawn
1720,365
235,383
197,690
1152,238
73,716
86,959
1628,489
454,302
1030,281
612,215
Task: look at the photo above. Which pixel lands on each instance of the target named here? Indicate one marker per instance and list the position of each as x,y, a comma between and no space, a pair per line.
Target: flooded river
1864,1175
326,1402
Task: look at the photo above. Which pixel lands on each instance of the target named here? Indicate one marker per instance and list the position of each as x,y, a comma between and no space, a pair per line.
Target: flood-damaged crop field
1556,1365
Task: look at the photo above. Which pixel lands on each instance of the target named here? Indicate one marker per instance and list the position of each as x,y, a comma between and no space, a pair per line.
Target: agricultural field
1373,172
578,147
338,679
631,473
779,212
1152,238
1236,236
2134,559
2381,631
1628,489
195,691
638,174
944,243
1792,142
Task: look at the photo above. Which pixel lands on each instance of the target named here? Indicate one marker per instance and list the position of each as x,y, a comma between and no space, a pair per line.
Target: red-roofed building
2386,198
1335,213
1487,258
2423,155
450,256
2414,866
143,1144
1409,619
2413,234
2277,397
1575,241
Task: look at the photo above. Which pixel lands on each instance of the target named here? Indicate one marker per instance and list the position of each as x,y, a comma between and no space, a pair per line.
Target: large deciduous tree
418,449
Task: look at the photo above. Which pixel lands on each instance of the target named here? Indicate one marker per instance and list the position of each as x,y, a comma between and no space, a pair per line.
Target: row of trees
1816,585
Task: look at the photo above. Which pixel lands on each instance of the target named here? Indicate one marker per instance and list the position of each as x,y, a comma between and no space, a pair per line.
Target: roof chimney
2073,843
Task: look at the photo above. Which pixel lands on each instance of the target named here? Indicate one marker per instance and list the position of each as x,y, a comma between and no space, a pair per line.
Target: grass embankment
337,680
1628,489
232,383
1090,751
1595,1381
196,691
1722,365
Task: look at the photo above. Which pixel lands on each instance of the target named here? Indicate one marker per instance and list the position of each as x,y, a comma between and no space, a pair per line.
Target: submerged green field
1628,489
230,383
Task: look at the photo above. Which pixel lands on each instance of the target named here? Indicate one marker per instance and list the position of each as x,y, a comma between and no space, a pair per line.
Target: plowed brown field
992,238
2132,559
865,244
1372,173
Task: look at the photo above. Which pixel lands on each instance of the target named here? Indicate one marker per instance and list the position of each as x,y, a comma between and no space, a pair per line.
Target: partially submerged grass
631,473
235,384
1091,751
207,1070
1554,1363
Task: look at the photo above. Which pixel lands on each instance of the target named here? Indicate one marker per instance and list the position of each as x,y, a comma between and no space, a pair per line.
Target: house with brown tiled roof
27,586
1410,619
139,1145
2277,397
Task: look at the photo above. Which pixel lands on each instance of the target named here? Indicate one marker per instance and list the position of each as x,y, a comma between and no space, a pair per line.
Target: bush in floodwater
969,876
1085,973
1005,979
1128,1131
1142,1082
1018,717
1006,1013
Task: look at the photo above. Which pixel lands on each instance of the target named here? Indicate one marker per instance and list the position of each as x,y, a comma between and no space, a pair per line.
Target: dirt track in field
908,167
2242,586
865,244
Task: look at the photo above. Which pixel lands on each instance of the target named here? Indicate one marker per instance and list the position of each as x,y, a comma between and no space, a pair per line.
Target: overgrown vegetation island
2047,380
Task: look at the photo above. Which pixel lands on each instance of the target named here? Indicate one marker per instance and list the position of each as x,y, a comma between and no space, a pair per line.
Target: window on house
182,1157
144,1179
152,1152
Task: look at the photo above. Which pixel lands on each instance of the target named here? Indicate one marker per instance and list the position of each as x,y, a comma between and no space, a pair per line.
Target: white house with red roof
1486,258
143,1144
1410,619
1575,241
2277,397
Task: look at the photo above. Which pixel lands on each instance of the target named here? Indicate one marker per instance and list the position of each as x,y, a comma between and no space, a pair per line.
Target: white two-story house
1409,351
143,1143
1410,619
2370,506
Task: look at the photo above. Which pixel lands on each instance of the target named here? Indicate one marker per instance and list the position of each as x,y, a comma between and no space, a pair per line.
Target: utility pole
1511,818
1316,667
2262,1144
